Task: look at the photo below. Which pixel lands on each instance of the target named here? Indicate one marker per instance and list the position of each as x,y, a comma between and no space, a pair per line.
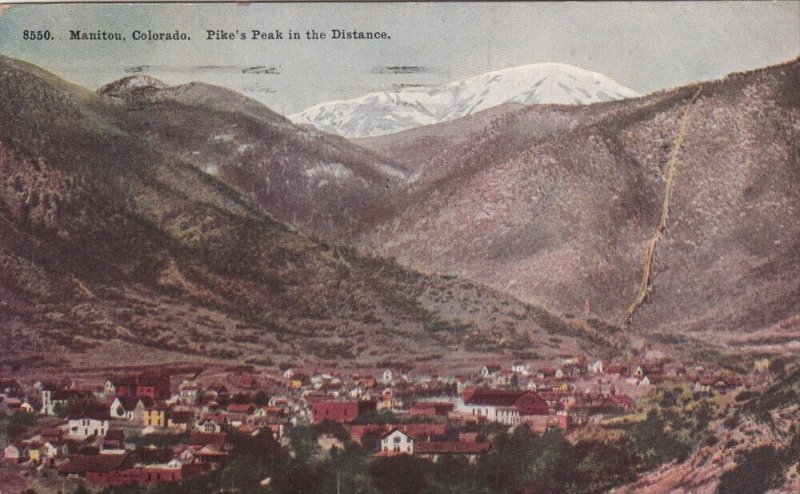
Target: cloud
401,69
255,69
259,88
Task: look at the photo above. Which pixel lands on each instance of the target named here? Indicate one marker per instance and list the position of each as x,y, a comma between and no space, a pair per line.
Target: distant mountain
116,248
553,204
387,112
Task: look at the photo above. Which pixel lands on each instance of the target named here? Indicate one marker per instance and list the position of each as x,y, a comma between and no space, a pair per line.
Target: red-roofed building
436,449
342,411
432,409
504,406
85,464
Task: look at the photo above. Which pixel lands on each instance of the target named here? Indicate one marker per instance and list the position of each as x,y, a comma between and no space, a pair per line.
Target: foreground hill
755,449
553,204
387,112
111,239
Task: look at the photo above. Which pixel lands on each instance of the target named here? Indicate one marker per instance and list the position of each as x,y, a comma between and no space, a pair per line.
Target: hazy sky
645,46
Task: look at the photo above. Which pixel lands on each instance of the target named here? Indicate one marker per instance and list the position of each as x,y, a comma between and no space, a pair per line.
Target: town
167,424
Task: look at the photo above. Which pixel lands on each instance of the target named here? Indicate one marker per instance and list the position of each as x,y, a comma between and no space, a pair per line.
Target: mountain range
119,244
195,220
554,203
387,112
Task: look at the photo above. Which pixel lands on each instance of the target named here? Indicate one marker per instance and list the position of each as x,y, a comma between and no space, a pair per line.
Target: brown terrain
303,177
553,205
115,248
767,422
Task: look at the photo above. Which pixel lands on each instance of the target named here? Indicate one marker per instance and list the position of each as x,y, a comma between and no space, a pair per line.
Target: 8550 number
36,35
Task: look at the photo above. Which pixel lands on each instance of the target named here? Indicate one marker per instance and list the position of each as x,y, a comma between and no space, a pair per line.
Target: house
155,416
342,411
504,406
109,388
546,373
216,440
434,450
88,465
542,423
52,401
188,392
387,377
247,381
366,382
521,368
34,451
704,384
88,420
11,387
761,366
489,370
397,442
388,400
246,408
124,407
152,384
431,409
674,369
615,370
12,454
113,442
596,368
418,431
182,420
212,422
146,475
218,392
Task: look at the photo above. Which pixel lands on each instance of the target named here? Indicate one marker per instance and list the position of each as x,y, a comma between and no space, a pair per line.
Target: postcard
395,247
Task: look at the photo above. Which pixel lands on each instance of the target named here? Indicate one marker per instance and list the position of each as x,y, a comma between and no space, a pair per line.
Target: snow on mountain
131,83
386,112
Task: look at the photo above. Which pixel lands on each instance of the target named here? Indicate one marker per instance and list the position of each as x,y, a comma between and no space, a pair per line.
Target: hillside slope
560,217
311,180
108,238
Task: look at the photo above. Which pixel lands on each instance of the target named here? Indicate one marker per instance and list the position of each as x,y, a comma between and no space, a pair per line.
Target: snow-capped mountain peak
390,111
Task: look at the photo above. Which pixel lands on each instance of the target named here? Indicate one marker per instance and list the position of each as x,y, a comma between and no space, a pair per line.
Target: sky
645,46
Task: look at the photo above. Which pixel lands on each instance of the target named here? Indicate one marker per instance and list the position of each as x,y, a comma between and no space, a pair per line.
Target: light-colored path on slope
651,245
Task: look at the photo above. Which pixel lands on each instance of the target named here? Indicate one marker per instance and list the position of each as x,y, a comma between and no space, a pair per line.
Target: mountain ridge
107,239
554,215
386,112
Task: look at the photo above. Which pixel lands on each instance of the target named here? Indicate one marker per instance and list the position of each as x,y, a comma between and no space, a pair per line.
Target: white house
188,391
12,454
109,388
83,425
212,422
124,407
47,402
489,370
597,367
521,368
396,442
387,376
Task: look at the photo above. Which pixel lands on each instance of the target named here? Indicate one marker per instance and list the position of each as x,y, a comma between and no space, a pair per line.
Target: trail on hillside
651,244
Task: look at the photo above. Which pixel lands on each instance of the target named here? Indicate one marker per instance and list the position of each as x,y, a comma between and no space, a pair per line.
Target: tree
757,470
400,474
303,441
